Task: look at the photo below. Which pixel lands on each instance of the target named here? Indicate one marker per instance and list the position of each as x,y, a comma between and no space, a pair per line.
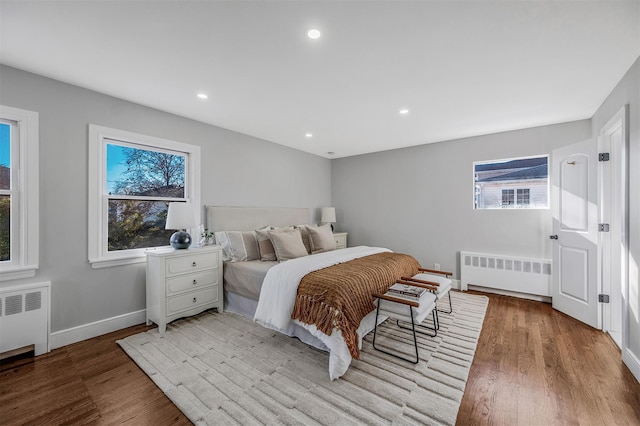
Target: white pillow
287,244
238,246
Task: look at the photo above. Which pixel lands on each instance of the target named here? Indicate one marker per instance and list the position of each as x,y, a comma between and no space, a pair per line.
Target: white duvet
278,295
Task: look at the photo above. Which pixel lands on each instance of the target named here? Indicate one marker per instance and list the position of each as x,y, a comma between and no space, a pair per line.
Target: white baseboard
455,284
537,298
94,329
631,361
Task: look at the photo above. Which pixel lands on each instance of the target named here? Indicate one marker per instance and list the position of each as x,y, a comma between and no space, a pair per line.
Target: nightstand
341,239
182,283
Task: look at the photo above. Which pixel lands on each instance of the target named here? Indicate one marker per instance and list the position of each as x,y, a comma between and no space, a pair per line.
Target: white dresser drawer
191,282
191,263
191,300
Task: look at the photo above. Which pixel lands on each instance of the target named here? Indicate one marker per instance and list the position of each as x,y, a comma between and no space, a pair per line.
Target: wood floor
536,366
533,366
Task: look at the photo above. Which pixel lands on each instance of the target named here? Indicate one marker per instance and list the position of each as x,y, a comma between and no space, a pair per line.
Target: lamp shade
328,215
180,216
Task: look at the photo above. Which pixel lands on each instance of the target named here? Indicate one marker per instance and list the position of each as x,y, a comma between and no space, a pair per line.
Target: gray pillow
267,252
321,238
287,244
306,239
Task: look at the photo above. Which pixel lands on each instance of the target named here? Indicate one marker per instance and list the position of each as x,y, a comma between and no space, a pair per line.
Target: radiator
511,273
24,317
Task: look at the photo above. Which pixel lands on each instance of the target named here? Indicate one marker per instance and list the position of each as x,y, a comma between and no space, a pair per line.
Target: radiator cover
24,317
511,273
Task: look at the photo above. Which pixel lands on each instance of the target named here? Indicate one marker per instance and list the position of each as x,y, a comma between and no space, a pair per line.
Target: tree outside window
141,183
5,192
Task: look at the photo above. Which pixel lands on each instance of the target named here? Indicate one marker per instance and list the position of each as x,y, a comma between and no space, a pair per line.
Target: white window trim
99,256
29,198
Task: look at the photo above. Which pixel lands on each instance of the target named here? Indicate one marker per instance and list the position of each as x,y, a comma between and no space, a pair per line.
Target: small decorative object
206,237
180,216
328,216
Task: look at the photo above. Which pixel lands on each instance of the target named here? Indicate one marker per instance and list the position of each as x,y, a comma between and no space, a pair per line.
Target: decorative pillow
267,252
238,246
287,244
306,239
321,238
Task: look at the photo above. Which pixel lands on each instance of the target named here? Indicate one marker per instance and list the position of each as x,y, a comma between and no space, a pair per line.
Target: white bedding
278,294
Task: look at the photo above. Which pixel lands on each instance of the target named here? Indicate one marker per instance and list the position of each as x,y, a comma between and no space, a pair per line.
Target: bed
272,292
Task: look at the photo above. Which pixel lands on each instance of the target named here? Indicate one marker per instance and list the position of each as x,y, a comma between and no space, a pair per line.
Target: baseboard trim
631,361
537,298
94,329
455,284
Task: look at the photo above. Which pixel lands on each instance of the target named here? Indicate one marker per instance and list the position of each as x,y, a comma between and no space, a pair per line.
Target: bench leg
450,305
415,340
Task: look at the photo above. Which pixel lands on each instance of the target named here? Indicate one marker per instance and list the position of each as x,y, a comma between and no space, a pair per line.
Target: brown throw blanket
339,296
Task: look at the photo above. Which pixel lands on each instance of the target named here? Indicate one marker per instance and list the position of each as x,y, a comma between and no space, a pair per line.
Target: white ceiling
462,68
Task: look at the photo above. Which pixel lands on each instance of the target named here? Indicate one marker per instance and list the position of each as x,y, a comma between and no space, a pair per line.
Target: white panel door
575,231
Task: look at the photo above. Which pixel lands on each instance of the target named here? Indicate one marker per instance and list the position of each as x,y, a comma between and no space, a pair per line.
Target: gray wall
236,170
627,92
419,200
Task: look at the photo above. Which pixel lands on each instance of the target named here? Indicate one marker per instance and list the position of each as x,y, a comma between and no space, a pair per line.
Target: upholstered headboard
220,218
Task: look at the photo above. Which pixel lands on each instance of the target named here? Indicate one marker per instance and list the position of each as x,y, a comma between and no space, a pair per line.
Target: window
512,183
523,197
507,197
132,180
19,197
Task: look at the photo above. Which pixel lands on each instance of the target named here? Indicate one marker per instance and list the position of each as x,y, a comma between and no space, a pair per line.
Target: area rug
225,369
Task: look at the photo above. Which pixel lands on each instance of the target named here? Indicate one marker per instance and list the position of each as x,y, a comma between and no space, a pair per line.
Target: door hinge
603,156
603,298
603,227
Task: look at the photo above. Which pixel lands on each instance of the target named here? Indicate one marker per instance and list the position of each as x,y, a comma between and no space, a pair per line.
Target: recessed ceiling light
313,34
308,135
403,111
330,153
203,96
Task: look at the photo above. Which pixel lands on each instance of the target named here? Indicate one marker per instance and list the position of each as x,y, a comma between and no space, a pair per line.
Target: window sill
8,274
108,263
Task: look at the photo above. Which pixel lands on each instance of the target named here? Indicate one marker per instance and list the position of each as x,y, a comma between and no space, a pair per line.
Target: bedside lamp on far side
328,216
180,216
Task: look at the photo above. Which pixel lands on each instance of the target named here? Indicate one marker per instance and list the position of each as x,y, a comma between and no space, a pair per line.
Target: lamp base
180,240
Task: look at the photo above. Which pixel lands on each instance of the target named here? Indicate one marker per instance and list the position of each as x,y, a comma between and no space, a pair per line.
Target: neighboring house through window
512,183
132,179
19,196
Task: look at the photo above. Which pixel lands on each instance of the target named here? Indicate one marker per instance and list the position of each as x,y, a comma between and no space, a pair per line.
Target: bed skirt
240,305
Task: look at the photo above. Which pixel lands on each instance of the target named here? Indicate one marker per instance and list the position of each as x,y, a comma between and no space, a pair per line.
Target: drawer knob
193,264
195,300
195,282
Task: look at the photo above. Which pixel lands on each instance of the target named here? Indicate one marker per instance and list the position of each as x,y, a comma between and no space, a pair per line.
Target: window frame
25,196
99,137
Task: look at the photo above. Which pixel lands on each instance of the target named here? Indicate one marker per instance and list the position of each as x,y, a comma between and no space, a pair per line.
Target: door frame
613,209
